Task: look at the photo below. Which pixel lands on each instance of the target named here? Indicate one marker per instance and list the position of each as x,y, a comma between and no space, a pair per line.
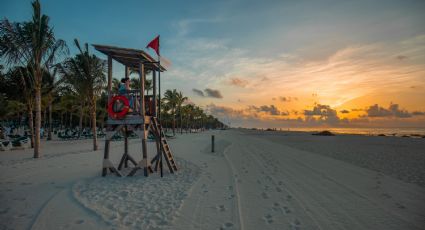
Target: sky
270,63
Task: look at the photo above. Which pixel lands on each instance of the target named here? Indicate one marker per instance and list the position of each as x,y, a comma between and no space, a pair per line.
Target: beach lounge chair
5,145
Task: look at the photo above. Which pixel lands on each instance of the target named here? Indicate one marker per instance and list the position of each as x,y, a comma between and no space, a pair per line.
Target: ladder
159,135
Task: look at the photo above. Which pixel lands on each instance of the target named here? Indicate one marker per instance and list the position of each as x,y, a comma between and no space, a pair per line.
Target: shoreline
318,130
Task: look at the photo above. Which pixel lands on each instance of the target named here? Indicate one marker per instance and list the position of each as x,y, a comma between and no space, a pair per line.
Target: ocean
367,131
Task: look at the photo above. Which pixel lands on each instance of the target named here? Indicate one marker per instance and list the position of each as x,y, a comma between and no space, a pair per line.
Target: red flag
154,44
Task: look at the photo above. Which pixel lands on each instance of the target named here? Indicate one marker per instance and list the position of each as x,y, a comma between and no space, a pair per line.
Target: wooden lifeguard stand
142,120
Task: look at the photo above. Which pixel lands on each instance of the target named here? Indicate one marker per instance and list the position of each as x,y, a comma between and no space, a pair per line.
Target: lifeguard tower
134,111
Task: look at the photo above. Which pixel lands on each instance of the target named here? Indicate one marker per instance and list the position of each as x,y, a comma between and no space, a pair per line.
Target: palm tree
197,113
86,73
115,84
171,100
180,99
68,105
187,110
135,84
20,86
34,45
50,88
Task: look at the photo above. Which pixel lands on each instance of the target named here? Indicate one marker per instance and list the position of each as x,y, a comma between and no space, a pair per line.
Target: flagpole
159,107
159,82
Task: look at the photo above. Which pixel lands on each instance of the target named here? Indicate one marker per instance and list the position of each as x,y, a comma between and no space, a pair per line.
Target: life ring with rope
124,109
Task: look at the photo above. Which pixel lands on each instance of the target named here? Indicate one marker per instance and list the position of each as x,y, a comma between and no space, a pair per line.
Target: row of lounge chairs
74,135
15,141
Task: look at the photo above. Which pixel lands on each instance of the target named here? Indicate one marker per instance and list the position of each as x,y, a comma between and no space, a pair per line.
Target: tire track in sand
235,183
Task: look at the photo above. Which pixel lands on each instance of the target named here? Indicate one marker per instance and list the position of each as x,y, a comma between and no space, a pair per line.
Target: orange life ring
121,114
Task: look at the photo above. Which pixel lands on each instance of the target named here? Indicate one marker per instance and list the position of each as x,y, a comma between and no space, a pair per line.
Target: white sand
250,182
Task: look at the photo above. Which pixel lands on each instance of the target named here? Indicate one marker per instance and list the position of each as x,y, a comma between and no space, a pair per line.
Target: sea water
367,131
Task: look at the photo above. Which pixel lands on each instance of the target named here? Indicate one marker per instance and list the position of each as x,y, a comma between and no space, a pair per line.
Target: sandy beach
253,180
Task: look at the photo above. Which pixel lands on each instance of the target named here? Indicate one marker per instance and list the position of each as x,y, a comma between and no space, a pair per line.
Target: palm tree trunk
37,121
45,118
93,123
174,122
49,134
187,124
31,124
70,120
80,124
61,120
181,122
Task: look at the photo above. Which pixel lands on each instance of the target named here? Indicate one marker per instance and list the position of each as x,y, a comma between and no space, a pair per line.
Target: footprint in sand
4,211
268,218
400,206
26,183
221,208
280,183
386,195
226,226
296,225
276,207
264,195
79,221
278,189
287,210
288,197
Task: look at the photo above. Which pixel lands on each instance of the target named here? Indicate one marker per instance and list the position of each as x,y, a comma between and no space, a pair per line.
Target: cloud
208,93
213,93
401,57
418,113
198,92
344,111
239,82
184,26
288,99
392,111
267,109
249,112
320,115
323,112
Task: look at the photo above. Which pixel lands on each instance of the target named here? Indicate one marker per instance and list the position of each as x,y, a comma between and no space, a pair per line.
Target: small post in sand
212,143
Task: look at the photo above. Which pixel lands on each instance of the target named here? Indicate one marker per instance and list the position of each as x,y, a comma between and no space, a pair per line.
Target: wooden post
143,114
127,72
106,151
212,143
126,146
154,92
105,157
109,78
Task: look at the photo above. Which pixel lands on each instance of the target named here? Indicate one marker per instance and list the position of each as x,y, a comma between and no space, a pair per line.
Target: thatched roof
130,57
